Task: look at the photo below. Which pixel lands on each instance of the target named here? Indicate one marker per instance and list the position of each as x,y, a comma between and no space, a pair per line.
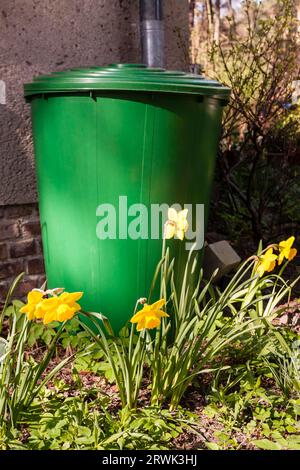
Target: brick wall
20,248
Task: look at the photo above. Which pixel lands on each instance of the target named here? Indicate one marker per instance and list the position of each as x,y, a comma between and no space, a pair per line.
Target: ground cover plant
199,367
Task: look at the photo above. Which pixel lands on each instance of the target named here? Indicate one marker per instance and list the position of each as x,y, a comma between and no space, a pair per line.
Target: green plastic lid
126,77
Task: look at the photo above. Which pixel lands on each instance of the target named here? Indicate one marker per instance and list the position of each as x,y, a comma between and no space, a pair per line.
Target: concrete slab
219,255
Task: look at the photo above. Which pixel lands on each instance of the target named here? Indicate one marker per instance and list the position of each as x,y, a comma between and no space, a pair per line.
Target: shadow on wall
16,169
129,39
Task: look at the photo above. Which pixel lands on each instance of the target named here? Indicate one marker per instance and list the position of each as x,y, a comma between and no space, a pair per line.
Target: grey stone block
219,255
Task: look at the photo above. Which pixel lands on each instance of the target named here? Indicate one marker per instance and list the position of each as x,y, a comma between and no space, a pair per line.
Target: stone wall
43,36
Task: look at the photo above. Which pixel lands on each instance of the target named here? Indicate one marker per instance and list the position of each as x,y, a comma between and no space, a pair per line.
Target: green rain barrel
111,143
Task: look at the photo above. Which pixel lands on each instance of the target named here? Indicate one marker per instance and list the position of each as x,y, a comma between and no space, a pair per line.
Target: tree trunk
216,18
192,4
209,10
231,14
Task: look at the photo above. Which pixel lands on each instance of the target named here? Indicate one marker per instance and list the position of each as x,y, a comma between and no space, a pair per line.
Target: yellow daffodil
49,308
266,262
64,312
71,299
176,224
286,250
150,316
62,307
34,303
56,308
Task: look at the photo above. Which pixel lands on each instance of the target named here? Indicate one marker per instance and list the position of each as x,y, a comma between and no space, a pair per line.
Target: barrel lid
126,77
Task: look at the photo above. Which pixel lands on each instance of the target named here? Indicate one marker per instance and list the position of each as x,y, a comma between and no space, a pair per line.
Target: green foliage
252,409
225,339
21,377
203,322
150,428
85,422
208,321
286,371
278,442
124,354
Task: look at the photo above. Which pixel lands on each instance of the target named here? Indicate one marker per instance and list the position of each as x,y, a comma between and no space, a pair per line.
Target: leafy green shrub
258,163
